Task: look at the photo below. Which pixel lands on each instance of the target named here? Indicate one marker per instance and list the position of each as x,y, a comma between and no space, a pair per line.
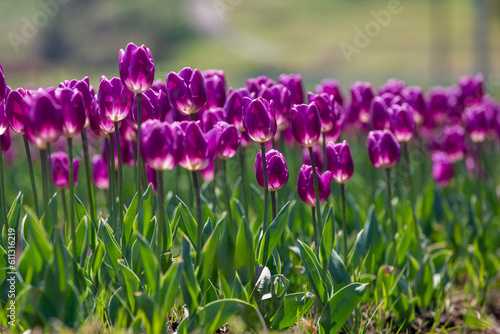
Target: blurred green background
426,42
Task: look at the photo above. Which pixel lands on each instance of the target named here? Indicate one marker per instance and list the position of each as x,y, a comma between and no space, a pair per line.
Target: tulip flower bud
294,83
339,161
101,125
255,86
259,119
383,149
100,172
137,68
60,169
415,98
73,111
454,142
199,147
211,117
17,106
305,185
393,86
115,100
216,88
476,123
442,168
471,89
306,124
45,120
327,112
332,88
83,86
235,108
402,122
439,104
361,96
3,86
161,144
379,114
281,97
277,170
228,141
187,90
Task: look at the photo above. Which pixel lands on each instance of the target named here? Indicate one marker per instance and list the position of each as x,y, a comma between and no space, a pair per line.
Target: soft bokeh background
427,42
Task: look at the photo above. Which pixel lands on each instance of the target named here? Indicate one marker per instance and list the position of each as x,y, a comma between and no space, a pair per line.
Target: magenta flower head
454,142
187,90
234,107
281,97
439,103
151,107
211,117
333,88
161,144
228,141
294,83
383,149
17,107
4,120
361,98
73,111
45,120
277,170
100,172
199,147
402,122
339,161
256,85
5,141
472,90
3,86
476,123
327,112
60,169
393,86
305,185
415,98
306,124
101,125
442,168
318,157
379,114
259,119
216,88
83,86
115,100
137,68
128,132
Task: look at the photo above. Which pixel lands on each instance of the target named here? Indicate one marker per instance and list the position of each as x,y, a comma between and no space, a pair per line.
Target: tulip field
184,205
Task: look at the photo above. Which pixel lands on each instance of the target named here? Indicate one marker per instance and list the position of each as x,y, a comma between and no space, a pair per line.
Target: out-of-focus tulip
208,173
383,149
339,161
471,89
454,142
211,117
115,100
333,88
216,88
100,124
3,86
414,96
5,141
60,169
305,185
402,122
45,120
83,86
475,123
187,90
73,111
294,83
235,108
256,85
151,178
100,172
137,68
306,124
361,98
442,168
152,103
440,103
161,144
326,110
318,157
228,141
281,97
379,114
259,120
17,106
128,132
393,86
277,170
199,148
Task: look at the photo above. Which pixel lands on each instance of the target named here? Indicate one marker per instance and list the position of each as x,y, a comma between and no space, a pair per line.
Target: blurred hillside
421,41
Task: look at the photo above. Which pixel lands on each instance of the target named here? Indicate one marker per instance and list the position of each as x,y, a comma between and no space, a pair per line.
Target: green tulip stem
3,195
43,161
243,190
112,181
120,177
406,150
72,196
266,188
161,213
32,175
65,210
273,204
344,227
318,205
199,216
227,196
389,205
139,158
90,188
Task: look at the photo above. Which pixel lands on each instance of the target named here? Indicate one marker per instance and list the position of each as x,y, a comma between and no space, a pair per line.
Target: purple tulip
442,168
17,106
73,111
471,89
100,172
306,124
100,124
361,98
235,107
327,112
115,100
5,141
152,106
453,143
151,178
45,120
83,86
415,98
128,132
60,169
383,149
440,103
4,120
3,86
305,185
393,86
281,97
137,68
318,157
277,170
216,88
211,117
126,150
187,90
161,144
380,117
256,85
228,141
259,119
294,83
208,173
333,88
476,123
339,161
199,147
402,122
